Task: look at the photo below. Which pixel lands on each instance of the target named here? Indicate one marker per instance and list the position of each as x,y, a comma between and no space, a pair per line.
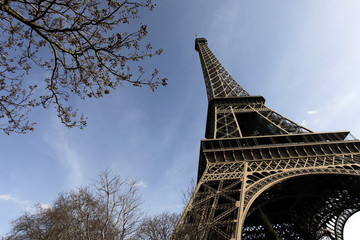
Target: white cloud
5,197
141,184
45,205
311,112
11,198
27,205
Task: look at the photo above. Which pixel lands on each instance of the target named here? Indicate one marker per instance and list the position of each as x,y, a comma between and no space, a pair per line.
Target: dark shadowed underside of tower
263,176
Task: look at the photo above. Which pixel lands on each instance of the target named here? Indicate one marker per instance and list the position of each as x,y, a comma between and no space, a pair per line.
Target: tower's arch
306,206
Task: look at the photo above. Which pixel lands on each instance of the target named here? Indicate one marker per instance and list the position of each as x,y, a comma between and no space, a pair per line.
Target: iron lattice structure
263,176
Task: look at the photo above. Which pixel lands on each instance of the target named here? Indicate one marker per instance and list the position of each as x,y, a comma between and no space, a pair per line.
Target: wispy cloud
9,197
224,24
26,205
141,184
65,152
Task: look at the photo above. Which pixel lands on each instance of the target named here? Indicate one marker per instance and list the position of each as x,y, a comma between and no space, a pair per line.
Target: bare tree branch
158,227
80,44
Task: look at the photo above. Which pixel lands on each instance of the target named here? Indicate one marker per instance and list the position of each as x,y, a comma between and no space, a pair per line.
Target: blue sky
302,56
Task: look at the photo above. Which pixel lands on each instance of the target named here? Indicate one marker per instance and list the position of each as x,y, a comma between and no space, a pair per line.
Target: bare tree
188,192
79,44
122,204
111,210
158,227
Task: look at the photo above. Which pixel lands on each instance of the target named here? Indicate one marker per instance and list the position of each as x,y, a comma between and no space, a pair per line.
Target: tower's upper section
232,112
219,83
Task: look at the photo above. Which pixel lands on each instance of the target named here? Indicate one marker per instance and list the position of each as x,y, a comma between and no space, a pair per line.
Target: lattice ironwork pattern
260,120
263,176
219,83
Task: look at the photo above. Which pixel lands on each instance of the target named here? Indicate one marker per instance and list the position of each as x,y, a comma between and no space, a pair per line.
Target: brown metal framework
263,176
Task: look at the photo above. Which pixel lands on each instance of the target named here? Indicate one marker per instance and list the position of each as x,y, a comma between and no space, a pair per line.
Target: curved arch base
305,207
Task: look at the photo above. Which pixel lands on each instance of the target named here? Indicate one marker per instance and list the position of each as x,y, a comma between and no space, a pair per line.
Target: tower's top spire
219,83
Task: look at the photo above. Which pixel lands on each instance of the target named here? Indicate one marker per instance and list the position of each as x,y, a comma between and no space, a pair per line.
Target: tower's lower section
305,207
301,186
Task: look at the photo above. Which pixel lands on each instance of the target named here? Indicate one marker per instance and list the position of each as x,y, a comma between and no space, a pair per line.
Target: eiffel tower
263,176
